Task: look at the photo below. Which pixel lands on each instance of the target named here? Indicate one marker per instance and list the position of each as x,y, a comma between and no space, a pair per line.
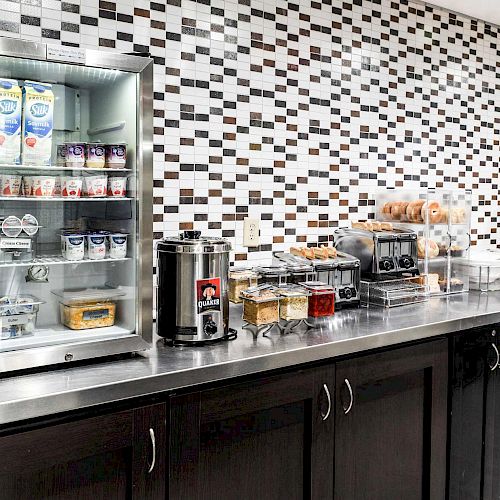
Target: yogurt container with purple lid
75,154
116,155
95,155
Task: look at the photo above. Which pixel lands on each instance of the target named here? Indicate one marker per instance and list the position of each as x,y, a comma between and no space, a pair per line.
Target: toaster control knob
347,293
407,263
386,265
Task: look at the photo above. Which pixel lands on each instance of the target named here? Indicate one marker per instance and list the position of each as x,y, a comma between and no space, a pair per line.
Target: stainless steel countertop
167,368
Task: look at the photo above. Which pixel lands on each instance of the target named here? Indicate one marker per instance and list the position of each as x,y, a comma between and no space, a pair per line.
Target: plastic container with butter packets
83,309
18,315
260,305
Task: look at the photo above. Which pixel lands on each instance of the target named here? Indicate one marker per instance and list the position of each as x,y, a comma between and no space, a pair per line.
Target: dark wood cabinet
268,439
475,415
391,424
105,457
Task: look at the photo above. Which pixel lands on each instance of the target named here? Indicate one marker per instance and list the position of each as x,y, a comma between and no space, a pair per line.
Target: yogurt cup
95,186
117,187
11,226
61,155
73,246
96,245
116,155
57,186
44,186
71,187
95,155
75,154
10,184
27,188
117,245
29,224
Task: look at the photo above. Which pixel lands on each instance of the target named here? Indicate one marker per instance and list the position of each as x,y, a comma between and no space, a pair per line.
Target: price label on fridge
15,244
73,55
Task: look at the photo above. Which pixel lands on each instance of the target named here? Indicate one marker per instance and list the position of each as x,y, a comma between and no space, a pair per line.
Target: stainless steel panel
113,60
22,48
164,368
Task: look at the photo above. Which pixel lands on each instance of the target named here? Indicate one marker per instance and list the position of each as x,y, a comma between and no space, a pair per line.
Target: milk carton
38,122
10,121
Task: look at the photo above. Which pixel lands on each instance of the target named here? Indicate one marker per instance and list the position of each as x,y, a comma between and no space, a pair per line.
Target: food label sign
208,295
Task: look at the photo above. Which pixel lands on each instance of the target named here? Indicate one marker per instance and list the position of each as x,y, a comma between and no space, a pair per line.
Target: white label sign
73,55
15,243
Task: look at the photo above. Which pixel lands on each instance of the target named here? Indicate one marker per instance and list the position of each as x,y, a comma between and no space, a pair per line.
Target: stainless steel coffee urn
192,300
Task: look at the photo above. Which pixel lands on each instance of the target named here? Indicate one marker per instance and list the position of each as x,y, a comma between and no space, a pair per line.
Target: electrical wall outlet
251,232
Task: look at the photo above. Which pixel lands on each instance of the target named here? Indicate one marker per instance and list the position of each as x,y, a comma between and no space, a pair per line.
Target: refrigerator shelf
57,260
54,168
60,334
44,199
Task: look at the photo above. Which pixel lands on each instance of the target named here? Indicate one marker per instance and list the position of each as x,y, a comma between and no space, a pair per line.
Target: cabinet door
473,355
491,483
390,424
268,439
106,457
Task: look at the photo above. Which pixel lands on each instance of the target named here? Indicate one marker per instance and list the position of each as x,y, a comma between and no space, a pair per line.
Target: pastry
320,253
443,249
308,253
386,226
414,211
432,248
360,225
332,252
457,215
376,226
398,210
456,285
432,212
296,251
456,251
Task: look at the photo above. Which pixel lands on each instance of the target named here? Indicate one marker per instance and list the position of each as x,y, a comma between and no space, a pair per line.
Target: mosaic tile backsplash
297,112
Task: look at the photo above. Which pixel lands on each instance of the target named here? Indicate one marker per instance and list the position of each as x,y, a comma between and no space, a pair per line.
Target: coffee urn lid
193,242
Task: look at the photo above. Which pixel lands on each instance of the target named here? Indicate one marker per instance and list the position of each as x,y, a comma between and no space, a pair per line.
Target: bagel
386,208
432,212
398,209
414,211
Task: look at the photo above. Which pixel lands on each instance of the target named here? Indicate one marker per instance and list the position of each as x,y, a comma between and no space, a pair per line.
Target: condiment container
321,300
272,275
239,280
18,316
29,224
88,308
116,155
95,155
294,302
260,305
12,226
27,186
75,154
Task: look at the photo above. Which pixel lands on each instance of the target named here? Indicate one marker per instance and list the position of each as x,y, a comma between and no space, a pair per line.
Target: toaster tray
392,293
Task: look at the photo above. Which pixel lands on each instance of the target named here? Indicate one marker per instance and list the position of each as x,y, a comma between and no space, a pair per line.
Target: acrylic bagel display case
75,204
441,218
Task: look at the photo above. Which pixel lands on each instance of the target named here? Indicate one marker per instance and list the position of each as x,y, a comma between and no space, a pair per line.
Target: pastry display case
75,204
441,219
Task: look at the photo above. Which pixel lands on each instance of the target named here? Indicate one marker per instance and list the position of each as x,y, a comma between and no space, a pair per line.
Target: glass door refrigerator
75,204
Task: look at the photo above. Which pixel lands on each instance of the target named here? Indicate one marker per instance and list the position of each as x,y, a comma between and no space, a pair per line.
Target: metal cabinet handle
497,362
351,397
324,416
153,444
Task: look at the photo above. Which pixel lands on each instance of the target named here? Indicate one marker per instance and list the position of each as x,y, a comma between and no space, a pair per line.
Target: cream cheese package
38,122
11,98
